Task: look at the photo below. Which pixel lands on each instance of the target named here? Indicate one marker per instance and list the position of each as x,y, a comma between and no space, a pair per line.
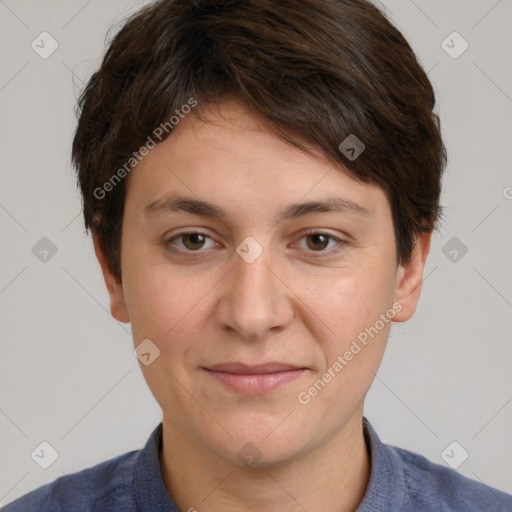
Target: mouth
255,379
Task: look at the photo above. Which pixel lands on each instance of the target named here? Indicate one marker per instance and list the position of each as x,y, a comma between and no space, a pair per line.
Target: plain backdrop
68,375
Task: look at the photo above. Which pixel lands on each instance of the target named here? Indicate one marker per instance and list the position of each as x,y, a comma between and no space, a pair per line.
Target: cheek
161,300
351,302
355,336
352,348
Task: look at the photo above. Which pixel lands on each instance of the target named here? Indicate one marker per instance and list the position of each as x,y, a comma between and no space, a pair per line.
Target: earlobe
410,278
118,307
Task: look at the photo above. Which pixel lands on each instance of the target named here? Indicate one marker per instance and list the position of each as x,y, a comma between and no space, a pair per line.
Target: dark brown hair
317,70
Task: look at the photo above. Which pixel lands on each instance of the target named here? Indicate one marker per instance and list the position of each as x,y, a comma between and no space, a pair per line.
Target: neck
331,478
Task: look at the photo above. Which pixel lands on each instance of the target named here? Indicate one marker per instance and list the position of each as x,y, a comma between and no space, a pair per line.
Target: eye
317,241
192,241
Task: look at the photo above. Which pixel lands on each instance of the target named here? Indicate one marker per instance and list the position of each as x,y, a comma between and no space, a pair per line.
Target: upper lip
241,368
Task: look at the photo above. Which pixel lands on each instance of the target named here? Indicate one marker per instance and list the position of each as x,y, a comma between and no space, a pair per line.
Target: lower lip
256,383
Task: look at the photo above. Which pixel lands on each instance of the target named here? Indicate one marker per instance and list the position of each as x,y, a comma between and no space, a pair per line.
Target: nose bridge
254,298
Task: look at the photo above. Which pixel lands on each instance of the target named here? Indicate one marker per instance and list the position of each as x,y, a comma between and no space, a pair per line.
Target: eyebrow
176,203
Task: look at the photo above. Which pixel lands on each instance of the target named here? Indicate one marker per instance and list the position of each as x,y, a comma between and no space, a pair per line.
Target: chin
262,442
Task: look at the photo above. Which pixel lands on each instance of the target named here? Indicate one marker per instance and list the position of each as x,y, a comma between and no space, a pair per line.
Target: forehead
233,162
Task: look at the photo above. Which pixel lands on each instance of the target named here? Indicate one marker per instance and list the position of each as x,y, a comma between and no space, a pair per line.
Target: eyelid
326,252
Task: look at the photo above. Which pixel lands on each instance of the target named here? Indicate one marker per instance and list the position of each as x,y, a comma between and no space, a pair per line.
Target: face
270,317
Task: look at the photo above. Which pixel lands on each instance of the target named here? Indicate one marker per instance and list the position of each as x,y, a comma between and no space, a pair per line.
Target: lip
255,379
246,369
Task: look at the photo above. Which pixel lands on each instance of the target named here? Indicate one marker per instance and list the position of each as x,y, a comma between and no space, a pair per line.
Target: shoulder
100,487
404,481
432,486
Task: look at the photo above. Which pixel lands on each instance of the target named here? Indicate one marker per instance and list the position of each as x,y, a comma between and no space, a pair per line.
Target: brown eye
321,243
317,241
189,242
193,241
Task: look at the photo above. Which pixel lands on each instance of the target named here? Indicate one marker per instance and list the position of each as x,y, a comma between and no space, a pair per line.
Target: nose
255,300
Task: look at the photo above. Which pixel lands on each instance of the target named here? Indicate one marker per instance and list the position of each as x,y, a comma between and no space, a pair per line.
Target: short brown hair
317,70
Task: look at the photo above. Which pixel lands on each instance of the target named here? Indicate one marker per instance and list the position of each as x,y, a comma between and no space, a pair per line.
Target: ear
118,306
410,278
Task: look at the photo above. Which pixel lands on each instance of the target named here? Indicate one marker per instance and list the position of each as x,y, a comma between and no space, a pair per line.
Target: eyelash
324,252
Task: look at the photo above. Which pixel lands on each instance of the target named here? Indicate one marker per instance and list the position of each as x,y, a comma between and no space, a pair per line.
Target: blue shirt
400,481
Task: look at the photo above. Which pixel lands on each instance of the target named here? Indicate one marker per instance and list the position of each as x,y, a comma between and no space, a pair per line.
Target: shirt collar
386,486
148,485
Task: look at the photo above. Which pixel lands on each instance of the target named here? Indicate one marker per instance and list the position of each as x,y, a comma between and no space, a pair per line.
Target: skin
300,302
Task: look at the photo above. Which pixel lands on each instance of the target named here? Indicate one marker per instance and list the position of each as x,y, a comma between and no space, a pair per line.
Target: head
223,118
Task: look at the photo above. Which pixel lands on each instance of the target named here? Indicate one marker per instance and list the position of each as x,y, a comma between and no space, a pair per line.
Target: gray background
67,370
